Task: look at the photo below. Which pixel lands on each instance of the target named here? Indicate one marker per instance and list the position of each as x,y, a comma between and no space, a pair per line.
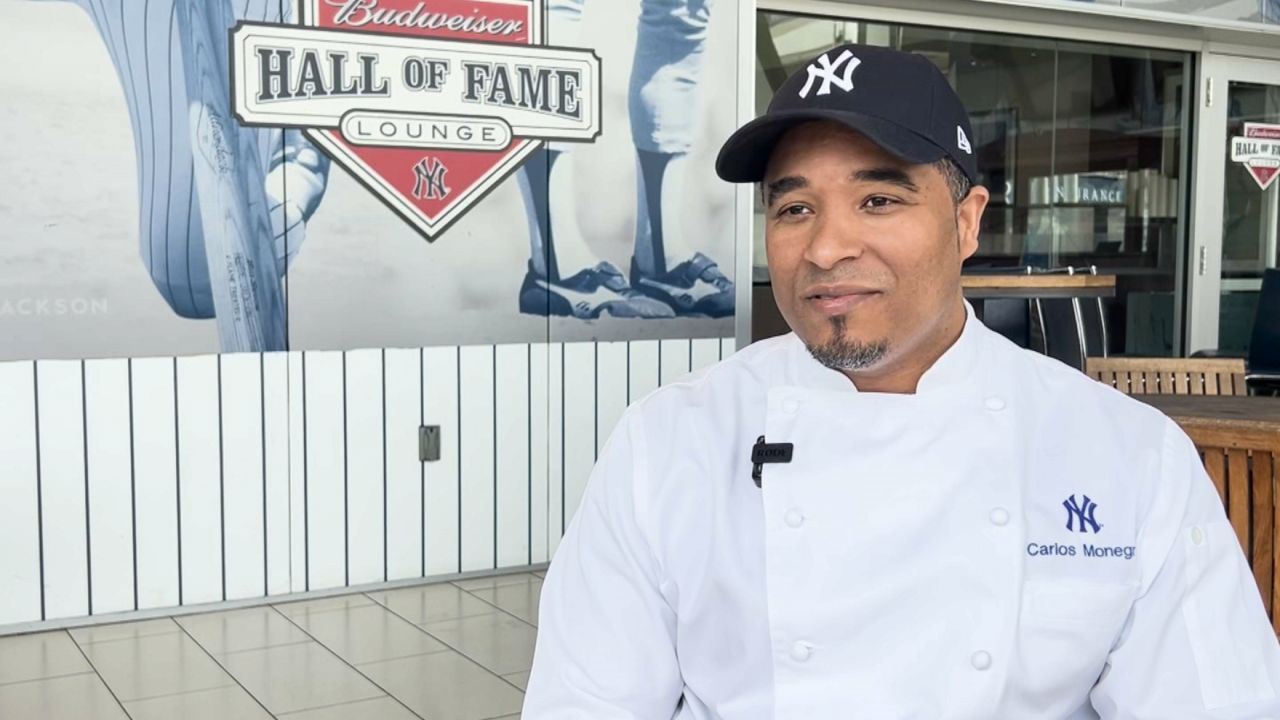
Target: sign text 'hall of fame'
428,104
1259,151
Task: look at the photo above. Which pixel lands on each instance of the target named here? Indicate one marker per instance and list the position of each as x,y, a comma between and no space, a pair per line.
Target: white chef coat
1014,540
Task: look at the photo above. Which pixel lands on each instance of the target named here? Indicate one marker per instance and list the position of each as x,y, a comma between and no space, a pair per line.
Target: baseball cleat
694,287
587,295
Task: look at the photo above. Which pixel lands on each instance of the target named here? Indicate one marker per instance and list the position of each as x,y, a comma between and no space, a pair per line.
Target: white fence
150,483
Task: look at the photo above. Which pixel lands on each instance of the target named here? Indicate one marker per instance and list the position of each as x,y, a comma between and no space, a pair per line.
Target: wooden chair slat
1183,385
1238,384
1215,463
1210,383
1263,557
1197,385
1238,504
1151,382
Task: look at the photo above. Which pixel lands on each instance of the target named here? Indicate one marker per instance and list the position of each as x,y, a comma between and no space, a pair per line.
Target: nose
833,241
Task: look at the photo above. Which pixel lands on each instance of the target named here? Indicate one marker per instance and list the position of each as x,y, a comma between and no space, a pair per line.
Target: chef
892,512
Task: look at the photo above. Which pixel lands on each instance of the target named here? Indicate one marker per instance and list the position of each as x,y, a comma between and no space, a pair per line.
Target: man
962,529
668,277
146,44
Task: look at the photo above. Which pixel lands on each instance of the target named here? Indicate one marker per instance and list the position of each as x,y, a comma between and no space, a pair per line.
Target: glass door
1237,199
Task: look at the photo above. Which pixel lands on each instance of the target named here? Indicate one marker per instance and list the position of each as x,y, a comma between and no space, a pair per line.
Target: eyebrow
781,186
890,175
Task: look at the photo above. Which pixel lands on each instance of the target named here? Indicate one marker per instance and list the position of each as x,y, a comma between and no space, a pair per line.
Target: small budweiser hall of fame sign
429,109
1259,151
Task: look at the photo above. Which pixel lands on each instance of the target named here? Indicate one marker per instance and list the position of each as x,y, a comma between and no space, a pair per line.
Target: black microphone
763,452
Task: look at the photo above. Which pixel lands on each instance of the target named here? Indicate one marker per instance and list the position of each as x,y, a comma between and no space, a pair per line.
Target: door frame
1204,276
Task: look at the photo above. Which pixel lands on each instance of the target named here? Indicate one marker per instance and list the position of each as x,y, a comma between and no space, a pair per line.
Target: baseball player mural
216,233
466,131
662,100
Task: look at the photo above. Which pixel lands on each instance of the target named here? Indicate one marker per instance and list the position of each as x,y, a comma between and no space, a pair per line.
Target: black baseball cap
899,100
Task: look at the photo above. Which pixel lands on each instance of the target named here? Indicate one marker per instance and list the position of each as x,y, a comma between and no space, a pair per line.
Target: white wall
150,483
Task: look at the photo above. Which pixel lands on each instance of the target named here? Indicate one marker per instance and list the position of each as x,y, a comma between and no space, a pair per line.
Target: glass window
1255,11
1081,145
1250,209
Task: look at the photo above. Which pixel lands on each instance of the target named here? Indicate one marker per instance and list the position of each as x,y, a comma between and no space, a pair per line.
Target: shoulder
738,378
1049,389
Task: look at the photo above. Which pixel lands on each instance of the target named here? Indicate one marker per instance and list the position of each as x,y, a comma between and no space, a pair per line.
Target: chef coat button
1197,536
800,652
790,406
999,516
981,660
794,518
994,404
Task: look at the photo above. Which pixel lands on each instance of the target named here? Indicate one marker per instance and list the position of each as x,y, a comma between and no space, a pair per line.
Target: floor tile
329,604
519,599
74,697
156,665
383,708
40,655
490,581
124,631
520,679
229,703
298,677
246,629
369,633
445,686
499,642
431,603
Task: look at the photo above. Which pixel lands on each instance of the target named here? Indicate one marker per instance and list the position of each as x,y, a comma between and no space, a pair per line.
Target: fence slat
405,507
440,398
110,484
478,457
364,426
20,598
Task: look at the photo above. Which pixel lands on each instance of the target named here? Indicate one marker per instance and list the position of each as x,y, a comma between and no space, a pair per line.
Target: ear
969,219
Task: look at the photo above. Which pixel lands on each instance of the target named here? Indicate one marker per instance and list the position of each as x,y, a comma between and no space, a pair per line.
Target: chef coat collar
955,369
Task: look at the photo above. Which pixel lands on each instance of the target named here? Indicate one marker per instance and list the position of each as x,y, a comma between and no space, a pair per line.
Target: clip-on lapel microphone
763,452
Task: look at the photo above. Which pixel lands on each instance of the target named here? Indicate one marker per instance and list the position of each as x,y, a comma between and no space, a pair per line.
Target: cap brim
745,155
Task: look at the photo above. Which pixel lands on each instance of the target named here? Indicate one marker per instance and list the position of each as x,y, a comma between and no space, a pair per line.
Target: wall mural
252,175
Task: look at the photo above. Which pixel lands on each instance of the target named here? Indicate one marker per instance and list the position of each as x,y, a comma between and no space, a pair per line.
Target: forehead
829,144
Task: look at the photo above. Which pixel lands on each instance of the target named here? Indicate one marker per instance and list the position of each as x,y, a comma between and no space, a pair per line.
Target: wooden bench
1243,467
1239,441
1170,376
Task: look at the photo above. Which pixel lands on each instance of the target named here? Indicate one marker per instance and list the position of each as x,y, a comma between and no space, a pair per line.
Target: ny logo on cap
825,70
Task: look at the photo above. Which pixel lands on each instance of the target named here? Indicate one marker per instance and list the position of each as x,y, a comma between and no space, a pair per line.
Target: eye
793,211
879,202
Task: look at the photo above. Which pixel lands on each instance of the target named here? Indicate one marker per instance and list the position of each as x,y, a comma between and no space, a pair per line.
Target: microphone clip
763,452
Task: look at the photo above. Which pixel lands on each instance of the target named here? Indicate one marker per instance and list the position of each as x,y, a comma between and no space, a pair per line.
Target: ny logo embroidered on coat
1081,515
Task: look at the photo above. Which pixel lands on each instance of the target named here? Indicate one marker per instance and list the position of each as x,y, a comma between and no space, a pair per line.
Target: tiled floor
447,651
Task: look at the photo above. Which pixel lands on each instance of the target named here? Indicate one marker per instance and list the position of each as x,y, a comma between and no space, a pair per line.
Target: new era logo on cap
825,70
902,102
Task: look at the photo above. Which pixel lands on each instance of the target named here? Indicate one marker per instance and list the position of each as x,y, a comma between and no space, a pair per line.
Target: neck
901,373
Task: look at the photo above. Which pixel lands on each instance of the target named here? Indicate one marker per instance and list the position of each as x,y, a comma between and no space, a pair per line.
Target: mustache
861,279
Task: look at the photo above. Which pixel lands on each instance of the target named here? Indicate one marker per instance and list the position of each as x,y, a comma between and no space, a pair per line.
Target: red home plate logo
1259,151
429,107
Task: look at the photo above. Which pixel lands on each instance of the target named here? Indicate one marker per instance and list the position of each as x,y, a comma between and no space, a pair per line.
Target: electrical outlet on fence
428,443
